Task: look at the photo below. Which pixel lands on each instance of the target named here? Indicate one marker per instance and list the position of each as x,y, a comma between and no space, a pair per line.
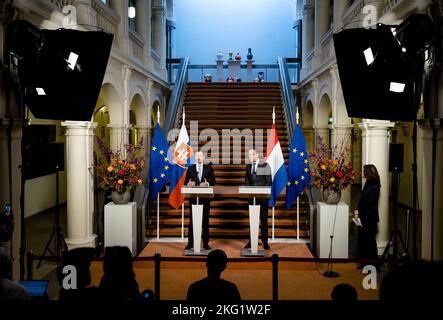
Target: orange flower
132,167
332,179
110,169
323,167
120,181
139,181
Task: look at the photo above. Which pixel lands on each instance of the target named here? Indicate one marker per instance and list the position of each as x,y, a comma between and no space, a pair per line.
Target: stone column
321,131
118,136
307,35
80,183
309,134
142,132
321,27
341,138
432,222
375,150
13,186
122,36
158,12
143,26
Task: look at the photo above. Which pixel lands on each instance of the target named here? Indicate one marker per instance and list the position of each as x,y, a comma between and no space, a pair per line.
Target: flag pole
297,116
158,194
273,207
183,204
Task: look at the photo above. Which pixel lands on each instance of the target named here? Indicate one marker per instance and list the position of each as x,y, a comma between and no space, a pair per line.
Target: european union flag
159,167
298,167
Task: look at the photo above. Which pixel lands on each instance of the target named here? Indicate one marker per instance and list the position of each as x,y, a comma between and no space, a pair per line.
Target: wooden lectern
197,216
251,192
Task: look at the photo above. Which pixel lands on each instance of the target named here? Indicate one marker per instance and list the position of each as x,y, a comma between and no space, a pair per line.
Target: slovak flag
182,156
274,157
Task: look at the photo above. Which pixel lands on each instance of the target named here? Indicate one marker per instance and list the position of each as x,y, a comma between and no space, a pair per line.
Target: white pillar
375,150
80,183
432,223
341,137
118,137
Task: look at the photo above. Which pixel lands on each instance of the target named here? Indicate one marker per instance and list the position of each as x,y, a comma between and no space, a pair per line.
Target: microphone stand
330,273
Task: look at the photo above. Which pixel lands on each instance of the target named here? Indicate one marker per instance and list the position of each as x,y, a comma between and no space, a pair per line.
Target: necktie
254,170
200,173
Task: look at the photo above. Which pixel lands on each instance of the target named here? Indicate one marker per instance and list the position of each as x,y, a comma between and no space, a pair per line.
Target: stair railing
288,96
177,94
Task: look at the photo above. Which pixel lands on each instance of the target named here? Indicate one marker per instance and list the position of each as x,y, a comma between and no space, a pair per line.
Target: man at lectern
200,174
258,173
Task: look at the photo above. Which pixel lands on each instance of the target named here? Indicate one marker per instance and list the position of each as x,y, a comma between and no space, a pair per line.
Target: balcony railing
197,72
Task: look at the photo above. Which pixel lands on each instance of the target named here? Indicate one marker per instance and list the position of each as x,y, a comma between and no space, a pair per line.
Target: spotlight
368,56
40,91
72,60
396,87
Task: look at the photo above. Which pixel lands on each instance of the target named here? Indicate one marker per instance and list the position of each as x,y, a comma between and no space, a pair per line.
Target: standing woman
367,211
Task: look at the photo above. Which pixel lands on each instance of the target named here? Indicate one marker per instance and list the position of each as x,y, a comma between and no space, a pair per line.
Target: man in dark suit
200,174
258,173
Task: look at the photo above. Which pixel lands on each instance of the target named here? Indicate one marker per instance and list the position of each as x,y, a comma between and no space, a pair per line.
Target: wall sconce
131,12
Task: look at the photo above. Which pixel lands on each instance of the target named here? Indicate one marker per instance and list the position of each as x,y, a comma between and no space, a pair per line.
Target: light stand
15,62
57,231
330,273
395,232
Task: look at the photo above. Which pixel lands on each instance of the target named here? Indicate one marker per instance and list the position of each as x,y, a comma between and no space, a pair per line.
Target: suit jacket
263,175
368,205
208,174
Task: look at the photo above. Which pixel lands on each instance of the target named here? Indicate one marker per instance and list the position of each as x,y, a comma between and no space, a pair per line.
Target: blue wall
204,27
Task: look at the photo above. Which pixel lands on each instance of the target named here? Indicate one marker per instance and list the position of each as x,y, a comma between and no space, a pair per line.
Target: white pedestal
249,70
121,225
219,70
234,69
325,226
254,218
197,216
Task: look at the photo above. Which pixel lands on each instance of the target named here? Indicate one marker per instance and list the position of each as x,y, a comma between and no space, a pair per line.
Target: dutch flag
274,157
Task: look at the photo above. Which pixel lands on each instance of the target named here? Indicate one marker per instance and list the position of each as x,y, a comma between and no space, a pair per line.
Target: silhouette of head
216,262
80,258
344,293
117,264
413,282
5,264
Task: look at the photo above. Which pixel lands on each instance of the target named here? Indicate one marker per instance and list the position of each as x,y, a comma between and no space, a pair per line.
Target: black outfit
214,290
208,175
261,177
368,213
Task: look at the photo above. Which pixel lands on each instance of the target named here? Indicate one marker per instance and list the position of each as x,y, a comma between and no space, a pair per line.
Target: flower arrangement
332,169
118,174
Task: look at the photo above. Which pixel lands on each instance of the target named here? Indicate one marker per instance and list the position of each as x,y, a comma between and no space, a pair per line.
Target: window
105,2
132,14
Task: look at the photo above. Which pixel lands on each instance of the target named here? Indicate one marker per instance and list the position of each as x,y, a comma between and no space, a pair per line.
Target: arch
137,106
324,110
308,117
111,98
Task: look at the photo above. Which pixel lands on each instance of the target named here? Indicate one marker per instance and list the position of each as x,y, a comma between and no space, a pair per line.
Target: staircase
228,106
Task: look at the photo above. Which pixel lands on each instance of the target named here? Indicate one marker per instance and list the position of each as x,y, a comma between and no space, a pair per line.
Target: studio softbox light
62,70
376,76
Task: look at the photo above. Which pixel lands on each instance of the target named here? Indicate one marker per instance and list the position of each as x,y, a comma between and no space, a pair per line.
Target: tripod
395,233
57,231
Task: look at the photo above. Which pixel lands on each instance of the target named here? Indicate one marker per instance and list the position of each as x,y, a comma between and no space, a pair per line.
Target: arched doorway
324,119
